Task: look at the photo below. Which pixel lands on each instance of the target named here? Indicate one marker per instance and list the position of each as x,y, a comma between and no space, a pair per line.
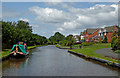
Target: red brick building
99,33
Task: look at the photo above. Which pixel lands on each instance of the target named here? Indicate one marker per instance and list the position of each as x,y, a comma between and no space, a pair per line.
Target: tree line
59,38
13,32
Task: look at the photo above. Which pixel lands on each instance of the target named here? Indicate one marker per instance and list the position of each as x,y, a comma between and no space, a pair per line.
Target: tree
119,37
79,37
13,32
24,25
56,38
115,41
105,39
70,40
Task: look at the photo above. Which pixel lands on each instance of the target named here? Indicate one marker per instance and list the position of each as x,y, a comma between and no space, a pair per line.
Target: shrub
117,51
112,40
87,43
60,42
63,42
105,40
115,43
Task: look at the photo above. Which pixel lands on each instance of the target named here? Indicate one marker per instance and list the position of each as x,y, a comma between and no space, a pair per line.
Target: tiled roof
110,28
91,31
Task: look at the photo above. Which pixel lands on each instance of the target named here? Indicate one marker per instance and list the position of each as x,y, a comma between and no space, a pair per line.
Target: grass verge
65,47
89,51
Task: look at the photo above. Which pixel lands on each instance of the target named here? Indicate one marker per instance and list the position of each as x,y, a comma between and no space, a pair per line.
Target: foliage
87,43
115,42
117,51
105,39
65,47
13,32
63,43
56,38
79,37
69,40
119,31
62,40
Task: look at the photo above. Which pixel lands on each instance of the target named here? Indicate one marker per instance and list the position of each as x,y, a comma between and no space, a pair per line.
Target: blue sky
46,18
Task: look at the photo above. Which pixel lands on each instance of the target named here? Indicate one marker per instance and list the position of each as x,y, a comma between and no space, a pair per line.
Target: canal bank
5,54
106,62
52,61
88,52
62,47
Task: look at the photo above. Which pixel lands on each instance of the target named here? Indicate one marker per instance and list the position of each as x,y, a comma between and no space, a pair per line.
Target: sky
46,18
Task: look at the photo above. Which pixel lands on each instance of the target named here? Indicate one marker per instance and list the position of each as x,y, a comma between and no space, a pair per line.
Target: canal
51,61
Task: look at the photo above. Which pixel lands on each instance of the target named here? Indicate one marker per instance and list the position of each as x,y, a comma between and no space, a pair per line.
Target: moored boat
18,50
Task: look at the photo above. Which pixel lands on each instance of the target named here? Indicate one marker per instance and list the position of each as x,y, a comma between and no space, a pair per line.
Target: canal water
51,61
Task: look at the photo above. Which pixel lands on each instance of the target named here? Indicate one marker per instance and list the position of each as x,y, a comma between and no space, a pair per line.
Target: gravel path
108,53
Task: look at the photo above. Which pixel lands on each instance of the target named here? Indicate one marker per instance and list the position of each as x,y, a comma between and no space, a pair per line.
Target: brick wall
109,36
88,36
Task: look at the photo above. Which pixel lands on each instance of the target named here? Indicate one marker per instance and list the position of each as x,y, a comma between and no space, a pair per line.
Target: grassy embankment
88,51
5,52
65,47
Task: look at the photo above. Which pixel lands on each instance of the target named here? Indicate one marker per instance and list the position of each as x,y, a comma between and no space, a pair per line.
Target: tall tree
70,40
24,25
56,38
13,32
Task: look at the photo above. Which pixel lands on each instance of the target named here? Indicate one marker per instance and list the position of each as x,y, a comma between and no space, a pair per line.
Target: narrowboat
18,50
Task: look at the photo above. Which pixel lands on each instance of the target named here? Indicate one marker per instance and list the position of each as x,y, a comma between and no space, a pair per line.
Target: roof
91,31
110,28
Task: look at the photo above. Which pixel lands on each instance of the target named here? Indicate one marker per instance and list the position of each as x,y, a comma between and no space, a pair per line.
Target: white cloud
49,15
24,19
97,15
71,25
60,29
75,34
77,18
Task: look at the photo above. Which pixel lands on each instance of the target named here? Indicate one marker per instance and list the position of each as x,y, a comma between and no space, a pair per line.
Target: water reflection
13,63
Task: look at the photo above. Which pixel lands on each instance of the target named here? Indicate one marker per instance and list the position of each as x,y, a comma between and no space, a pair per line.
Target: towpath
108,53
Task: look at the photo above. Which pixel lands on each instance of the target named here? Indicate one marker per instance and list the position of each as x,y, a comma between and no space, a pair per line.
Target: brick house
99,33
108,32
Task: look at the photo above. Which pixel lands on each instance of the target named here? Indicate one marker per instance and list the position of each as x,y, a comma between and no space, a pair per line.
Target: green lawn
59,46
67,47
89,51
29,47
4,53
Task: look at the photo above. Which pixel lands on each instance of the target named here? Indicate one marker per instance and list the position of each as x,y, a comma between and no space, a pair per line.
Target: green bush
63,42
105,40
87,43
117,51
115,43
